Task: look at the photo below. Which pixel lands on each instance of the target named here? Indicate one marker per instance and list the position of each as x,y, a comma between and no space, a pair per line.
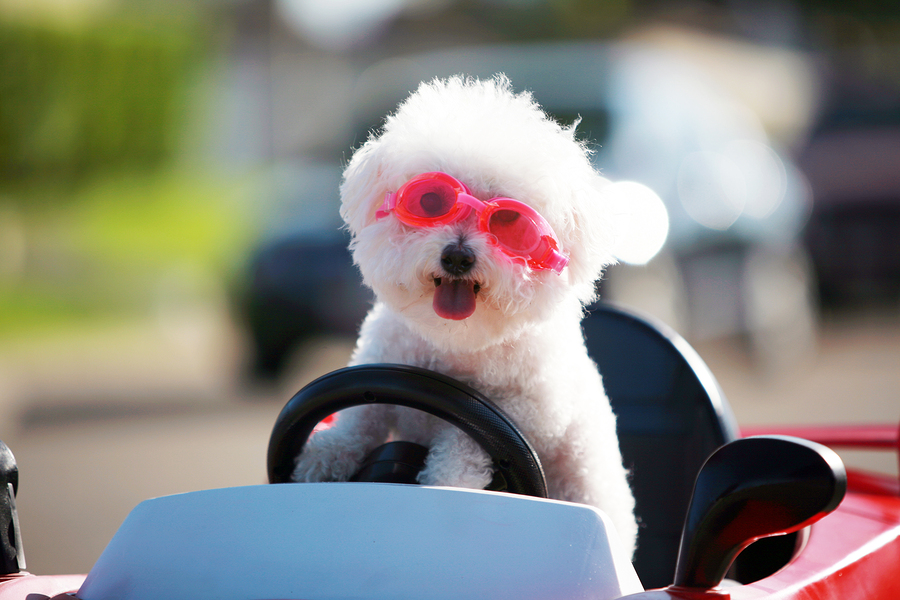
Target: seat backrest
671,416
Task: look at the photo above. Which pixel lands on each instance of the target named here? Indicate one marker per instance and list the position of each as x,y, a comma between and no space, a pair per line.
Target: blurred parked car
735,204
853,164
301,282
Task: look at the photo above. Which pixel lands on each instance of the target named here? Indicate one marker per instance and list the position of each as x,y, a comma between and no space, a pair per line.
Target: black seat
671,417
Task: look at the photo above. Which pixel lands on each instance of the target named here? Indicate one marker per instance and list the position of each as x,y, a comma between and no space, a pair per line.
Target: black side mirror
12,559
750,489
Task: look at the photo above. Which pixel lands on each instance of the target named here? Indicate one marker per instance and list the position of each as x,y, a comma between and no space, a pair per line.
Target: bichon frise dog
481,226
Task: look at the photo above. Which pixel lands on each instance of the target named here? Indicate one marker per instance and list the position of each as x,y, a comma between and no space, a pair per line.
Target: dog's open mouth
454,298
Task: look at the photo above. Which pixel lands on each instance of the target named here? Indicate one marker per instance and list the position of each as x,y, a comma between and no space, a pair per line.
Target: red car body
852,553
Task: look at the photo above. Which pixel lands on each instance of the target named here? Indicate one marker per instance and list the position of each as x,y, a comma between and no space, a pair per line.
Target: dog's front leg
335,454
587,468
456,460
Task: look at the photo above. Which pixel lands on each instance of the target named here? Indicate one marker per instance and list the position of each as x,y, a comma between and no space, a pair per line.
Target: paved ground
91,443
97,432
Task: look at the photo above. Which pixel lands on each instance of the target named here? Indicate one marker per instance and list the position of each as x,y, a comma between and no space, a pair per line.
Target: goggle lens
429,199
514,231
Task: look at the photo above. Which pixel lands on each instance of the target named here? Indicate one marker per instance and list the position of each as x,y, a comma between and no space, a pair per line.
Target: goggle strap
389,204
471,202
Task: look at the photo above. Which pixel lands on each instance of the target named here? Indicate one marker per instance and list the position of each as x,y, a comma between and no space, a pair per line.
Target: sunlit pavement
90,450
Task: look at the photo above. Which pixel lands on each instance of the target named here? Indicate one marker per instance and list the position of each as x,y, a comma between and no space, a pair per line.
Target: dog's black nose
457,259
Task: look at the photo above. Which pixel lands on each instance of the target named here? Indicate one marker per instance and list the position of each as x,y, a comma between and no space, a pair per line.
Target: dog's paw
326,461
473,479
456,460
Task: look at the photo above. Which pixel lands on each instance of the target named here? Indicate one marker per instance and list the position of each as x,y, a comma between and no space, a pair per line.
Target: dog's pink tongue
454,299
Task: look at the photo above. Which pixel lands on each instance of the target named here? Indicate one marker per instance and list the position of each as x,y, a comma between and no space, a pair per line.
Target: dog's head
450,280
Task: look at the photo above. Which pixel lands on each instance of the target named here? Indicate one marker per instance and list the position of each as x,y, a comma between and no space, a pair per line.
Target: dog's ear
361,189
589,237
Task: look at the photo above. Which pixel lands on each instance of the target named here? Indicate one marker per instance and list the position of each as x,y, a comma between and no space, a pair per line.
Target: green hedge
104,96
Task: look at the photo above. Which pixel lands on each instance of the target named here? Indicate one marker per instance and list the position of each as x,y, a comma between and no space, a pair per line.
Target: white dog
489,293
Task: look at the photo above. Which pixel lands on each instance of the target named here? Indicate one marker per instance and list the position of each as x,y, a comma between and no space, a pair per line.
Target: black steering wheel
413,387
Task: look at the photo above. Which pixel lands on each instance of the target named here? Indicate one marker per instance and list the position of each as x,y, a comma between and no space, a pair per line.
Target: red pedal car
773,515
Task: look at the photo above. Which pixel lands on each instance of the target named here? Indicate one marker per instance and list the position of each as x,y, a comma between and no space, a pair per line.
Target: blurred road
101,420
89,450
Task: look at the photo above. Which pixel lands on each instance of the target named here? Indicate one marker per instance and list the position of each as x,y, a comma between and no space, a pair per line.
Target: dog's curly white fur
522,347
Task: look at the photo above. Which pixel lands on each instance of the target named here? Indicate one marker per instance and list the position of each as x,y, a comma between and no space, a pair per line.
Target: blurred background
172,268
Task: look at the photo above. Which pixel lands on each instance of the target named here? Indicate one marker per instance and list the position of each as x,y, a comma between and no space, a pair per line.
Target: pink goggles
434,199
